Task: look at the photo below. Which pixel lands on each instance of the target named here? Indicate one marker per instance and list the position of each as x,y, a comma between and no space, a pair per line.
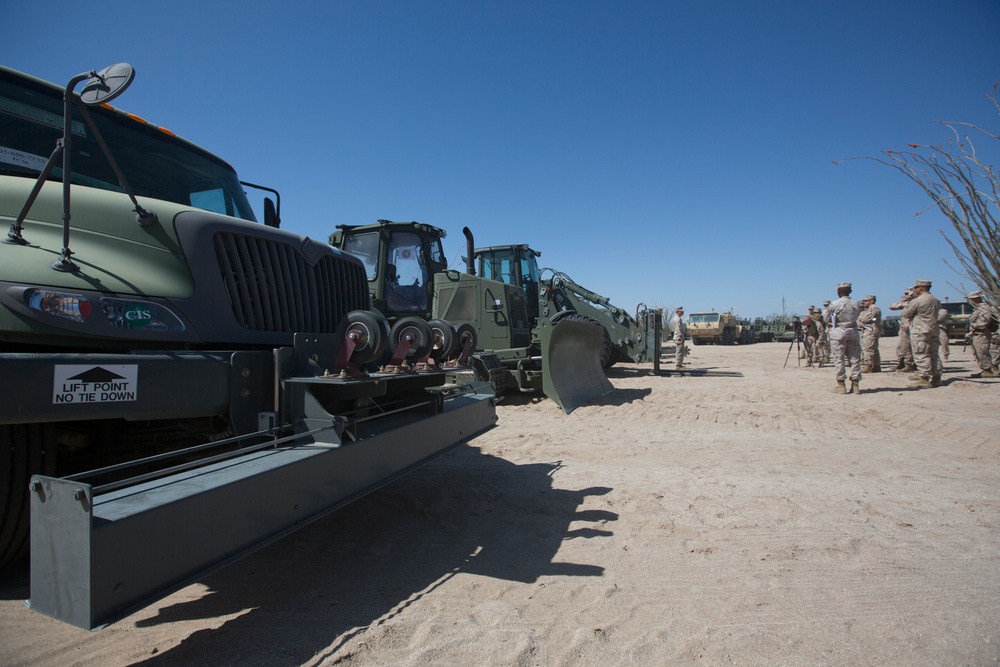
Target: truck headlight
131,314
73,307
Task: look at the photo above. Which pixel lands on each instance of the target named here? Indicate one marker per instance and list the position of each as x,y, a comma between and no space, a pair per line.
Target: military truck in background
714,328
182,385
957,322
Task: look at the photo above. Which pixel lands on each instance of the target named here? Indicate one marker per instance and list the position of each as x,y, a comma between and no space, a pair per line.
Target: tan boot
841,387
856,387
921,383
866,369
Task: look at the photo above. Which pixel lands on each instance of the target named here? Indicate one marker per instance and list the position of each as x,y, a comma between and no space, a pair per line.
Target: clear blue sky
673,153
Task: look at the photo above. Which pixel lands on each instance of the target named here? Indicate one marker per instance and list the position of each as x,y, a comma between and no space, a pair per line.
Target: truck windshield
155,163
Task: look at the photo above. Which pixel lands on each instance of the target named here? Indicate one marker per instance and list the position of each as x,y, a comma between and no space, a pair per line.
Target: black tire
418,331
25,450
372,335
445,340
607,351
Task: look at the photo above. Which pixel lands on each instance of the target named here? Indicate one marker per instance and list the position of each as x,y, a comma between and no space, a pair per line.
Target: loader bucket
571,363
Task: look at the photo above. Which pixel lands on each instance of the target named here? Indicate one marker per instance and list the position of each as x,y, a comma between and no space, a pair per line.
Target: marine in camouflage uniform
842,323
870,321
811,335
824,335
943,334
680,333
980,327
922,312
904,351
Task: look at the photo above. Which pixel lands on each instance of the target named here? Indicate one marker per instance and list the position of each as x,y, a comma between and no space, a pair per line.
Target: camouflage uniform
680,331
842,323
811,335
922,312
822,342
870,321
824,335
979,326
943,334
904,351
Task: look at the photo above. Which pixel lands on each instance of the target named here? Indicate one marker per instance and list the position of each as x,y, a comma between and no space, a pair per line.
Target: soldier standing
811,335
904,351
680,333
824,335
943,334
870,321
842,323
982,325
922,313
820,348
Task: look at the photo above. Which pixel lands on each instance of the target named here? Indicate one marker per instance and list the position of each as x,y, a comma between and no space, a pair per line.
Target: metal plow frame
96,558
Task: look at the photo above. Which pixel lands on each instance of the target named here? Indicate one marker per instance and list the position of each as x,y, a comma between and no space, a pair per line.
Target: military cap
926,284
868,297
974,295
826,303
908,291
679,310
812,308
844,285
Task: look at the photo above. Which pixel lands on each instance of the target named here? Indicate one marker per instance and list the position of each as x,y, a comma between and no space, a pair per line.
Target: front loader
553,296
495,322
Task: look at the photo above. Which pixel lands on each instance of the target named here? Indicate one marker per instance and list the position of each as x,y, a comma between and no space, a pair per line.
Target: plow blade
571,363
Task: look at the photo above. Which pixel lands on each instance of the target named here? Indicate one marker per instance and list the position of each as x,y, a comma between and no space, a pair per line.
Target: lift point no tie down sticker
95,384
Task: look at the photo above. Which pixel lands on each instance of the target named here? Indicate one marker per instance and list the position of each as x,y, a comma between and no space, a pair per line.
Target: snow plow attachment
571,362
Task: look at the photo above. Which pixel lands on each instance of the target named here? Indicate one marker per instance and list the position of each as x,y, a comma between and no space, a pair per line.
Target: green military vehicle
182,384
489,320
554,295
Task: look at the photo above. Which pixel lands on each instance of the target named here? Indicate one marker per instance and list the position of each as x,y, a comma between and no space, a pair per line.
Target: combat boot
866,369
936,381
985,373
921,383
841,387
856,387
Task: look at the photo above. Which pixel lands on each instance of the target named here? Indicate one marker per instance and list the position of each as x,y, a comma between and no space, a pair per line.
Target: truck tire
25,450
607,351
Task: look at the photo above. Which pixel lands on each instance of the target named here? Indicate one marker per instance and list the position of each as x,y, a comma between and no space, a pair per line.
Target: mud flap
571,363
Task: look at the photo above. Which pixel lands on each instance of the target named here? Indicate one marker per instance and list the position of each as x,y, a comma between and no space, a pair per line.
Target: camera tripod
797,342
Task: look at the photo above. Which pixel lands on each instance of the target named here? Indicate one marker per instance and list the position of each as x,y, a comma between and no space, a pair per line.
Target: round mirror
109,83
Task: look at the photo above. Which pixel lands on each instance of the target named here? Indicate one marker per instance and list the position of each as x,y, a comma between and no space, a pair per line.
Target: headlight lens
73,307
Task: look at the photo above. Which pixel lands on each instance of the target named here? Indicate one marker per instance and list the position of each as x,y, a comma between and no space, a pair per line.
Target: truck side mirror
271,218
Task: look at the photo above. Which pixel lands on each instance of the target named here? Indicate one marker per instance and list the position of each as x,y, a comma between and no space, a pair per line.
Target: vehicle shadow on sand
314,591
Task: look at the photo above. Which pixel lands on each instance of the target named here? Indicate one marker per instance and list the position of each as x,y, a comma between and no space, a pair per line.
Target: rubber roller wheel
420,333
445,340
370,331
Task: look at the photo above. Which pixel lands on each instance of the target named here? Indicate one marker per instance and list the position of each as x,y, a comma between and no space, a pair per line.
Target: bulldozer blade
571,363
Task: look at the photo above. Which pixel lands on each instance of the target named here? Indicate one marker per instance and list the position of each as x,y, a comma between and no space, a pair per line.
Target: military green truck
182,385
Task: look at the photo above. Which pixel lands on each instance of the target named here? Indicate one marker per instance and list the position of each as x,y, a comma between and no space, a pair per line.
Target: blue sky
670,153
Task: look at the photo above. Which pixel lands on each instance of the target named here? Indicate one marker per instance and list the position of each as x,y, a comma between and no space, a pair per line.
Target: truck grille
273,287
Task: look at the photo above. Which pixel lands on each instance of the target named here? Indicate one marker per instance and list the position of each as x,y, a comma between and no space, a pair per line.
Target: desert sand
751,520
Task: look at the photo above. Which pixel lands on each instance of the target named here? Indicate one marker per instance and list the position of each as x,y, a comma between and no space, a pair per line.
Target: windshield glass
960,308
704,317
154,163
365,247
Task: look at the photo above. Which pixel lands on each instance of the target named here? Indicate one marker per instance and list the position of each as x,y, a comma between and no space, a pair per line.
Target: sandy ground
755,520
